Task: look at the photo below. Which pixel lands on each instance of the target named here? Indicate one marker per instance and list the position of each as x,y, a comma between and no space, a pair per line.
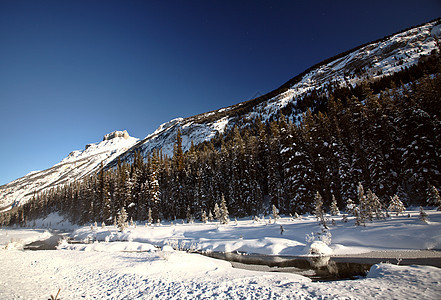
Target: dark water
48,244
317,268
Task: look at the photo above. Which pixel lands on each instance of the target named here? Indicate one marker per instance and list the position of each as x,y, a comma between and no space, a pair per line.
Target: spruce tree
334,208
396,205
204,217
217,212
319,212
275,213
122,220
423,215
224,218
434,197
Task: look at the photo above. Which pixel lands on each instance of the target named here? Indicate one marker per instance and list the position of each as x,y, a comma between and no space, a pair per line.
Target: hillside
373,61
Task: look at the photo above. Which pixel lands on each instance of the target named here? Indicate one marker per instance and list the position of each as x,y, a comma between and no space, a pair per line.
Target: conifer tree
224,218
149,216
396,205
319,212
217,212
334,208
122,220
204,217
275,213
434,197
423,215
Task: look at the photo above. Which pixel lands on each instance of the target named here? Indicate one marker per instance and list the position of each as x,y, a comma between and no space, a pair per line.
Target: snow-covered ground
130,265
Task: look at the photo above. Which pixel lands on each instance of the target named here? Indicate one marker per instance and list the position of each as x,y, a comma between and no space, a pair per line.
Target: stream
323,268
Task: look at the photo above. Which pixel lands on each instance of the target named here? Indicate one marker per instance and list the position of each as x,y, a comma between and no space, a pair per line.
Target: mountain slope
373,61
75,166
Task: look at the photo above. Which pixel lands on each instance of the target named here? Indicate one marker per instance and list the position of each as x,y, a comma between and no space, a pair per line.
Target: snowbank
299,236
147,275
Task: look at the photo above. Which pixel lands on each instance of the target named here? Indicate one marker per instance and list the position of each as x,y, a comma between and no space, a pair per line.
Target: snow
144,262
262,237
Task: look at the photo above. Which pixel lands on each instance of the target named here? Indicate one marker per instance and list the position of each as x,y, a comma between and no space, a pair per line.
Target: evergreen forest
384,135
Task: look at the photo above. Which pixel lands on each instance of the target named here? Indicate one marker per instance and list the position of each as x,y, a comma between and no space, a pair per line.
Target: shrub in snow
396,205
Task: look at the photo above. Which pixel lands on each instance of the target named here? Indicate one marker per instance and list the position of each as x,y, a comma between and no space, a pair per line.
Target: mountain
75,166
372,61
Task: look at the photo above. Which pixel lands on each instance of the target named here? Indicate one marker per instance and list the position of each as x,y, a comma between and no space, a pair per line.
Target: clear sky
72,71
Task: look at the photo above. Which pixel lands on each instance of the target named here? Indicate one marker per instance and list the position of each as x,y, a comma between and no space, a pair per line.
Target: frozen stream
317,268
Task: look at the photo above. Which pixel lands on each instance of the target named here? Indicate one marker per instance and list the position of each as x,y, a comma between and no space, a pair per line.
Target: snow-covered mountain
75,166
374,60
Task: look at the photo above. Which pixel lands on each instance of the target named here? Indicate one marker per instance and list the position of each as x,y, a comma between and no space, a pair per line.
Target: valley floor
130,265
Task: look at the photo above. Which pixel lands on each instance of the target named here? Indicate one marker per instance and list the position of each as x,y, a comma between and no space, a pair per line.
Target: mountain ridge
372,60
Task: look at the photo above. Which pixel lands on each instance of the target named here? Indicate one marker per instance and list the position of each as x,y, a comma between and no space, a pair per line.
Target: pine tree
204,217
423,216
122,220
319,212
275,213
224,218
149,216
217,212
334,208
434,197
396,205
350,207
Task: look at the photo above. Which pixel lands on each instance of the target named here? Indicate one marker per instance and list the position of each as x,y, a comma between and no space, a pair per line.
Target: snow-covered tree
319,212
224,218
149,216
334,208
217,213
210,216
122,220
204,217
423,215
350,207
434,197
275,213
396,205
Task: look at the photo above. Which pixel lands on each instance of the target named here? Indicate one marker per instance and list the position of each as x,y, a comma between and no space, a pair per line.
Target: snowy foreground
141,263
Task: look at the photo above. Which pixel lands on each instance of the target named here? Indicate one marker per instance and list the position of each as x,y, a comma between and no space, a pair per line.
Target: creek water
321,268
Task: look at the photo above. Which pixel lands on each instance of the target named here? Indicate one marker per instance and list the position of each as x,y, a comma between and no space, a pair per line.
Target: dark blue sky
72,71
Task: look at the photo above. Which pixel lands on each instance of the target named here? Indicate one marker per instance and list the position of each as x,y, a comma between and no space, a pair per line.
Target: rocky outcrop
115,134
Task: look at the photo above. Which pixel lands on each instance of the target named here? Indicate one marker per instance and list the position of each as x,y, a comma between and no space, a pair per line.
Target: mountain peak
124,134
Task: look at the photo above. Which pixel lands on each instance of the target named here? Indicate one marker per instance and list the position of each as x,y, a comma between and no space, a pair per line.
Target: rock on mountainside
374,60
